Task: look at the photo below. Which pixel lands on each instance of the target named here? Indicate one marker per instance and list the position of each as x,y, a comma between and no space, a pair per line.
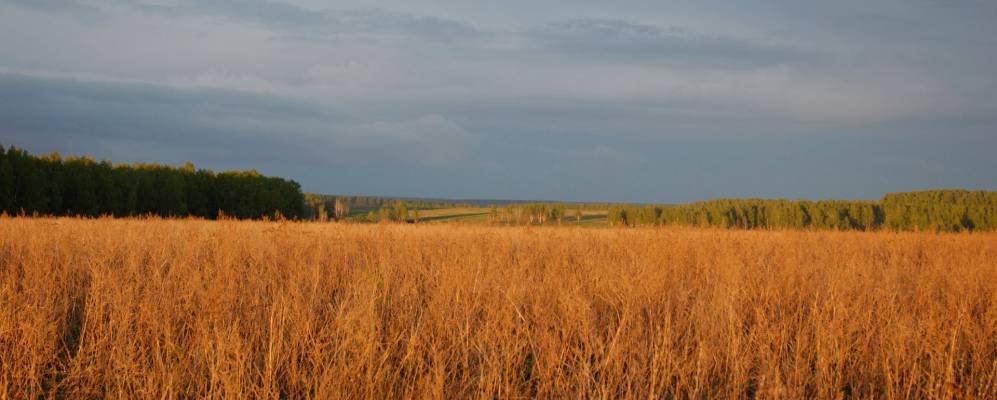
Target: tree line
935,210
529,213
325,208
52,185
777,214
81,186
947,210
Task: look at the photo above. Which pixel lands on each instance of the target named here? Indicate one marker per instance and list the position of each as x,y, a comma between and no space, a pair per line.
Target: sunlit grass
182,308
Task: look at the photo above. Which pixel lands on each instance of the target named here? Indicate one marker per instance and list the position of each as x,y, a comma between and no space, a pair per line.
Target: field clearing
465,214
590,218
150,308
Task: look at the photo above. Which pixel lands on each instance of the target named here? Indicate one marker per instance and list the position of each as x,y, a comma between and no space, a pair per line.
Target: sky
631,101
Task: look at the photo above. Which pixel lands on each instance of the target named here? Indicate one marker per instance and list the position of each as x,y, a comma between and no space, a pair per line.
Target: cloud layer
642,101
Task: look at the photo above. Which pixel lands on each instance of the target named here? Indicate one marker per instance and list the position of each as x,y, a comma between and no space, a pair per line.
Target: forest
933,210
80,186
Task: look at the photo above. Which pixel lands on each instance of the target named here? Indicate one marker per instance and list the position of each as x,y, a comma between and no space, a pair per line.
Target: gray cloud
624,42
636,101
71,5
224,126
295,21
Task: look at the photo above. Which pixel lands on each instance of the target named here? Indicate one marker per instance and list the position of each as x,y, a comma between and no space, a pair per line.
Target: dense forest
52,185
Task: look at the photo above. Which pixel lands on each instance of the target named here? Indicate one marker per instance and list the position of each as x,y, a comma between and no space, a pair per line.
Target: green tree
401,211
7,200
387,214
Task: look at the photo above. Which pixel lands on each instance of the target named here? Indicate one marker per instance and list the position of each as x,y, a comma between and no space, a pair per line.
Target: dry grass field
191,309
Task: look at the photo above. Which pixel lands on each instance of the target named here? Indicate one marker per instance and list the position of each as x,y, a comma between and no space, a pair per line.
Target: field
482,215
150,308
455,214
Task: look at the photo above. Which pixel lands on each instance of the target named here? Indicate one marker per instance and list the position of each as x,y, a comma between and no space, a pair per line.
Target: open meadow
166,308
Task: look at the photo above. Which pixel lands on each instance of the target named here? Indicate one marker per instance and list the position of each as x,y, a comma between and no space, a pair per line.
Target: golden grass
173,308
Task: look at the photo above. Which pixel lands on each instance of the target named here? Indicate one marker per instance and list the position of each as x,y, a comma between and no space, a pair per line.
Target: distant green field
456,214
482,215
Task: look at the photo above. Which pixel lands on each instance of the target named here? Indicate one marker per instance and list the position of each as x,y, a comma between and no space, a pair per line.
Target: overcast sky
638,101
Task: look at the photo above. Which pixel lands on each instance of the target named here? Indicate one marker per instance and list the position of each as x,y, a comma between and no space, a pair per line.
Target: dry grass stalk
175,308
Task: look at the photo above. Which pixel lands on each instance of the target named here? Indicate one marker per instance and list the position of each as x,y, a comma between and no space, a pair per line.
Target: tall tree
7,200
401,211
342,209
